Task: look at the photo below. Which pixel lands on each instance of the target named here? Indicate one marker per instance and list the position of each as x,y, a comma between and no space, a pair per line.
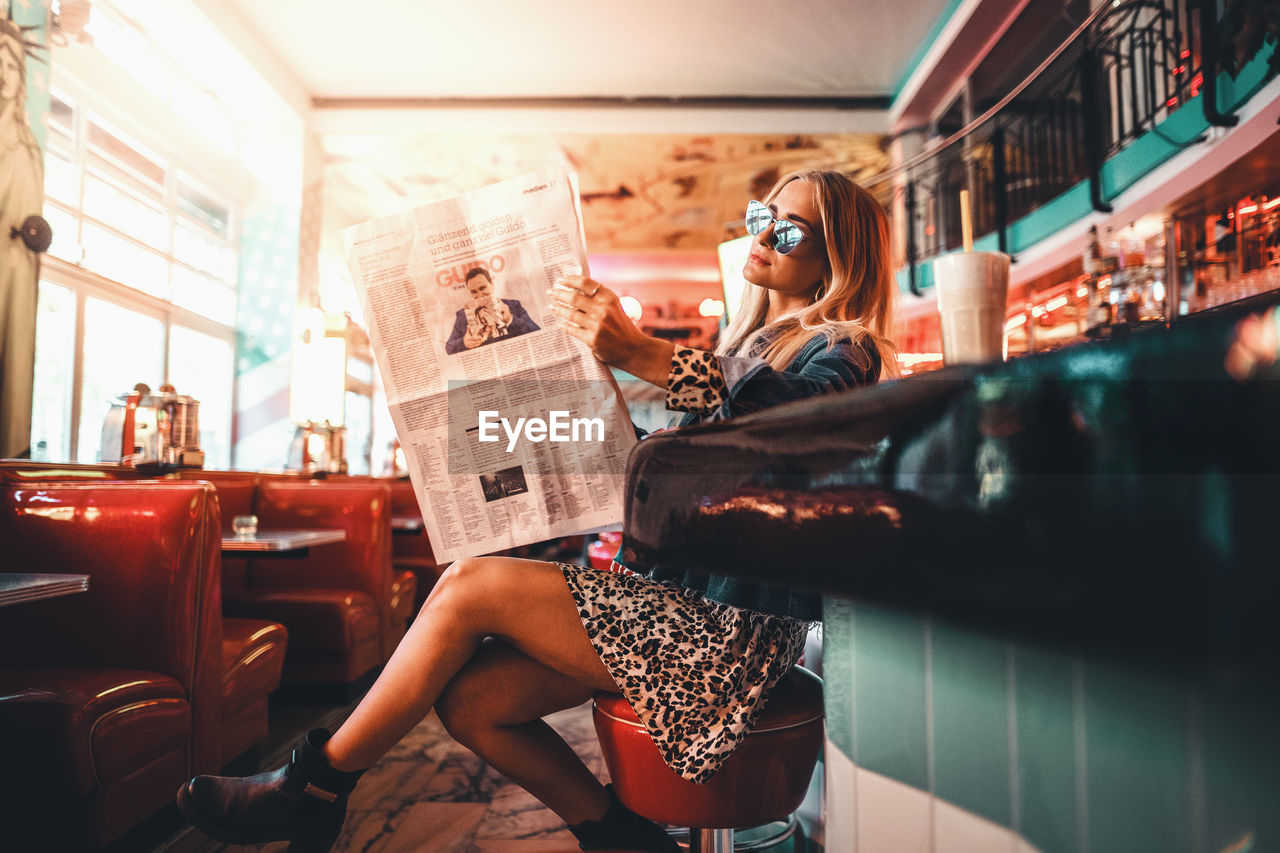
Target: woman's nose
765,237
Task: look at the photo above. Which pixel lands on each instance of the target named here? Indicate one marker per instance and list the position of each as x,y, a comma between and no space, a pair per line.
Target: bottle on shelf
1096,266
1093,253
1099,311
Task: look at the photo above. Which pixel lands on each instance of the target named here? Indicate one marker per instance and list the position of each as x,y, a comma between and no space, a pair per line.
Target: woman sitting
503,642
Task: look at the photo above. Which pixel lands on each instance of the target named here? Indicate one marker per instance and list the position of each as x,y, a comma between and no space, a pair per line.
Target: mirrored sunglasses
786,235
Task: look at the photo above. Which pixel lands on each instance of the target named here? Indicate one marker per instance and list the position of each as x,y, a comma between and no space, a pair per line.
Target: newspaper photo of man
485,318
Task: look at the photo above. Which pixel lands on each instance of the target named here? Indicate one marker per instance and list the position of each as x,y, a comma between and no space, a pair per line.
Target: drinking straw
966,224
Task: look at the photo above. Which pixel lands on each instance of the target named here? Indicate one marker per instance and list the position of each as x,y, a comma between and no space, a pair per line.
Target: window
121,348
55,360
202,366
147,166
358,409
144,264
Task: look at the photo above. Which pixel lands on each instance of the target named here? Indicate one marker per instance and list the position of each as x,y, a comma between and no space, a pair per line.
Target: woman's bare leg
494,707
524,602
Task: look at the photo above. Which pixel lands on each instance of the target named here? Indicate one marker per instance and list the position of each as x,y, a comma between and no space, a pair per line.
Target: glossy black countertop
1124,491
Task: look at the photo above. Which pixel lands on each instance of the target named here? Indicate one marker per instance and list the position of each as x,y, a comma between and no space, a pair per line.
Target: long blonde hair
858,292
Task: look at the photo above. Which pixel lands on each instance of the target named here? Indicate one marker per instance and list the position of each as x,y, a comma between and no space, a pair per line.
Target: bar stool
763,781
600,552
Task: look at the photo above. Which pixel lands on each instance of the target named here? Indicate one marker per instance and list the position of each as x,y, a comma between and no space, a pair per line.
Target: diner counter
1121,493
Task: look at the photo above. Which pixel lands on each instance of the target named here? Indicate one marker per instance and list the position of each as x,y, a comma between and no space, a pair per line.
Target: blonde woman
503,642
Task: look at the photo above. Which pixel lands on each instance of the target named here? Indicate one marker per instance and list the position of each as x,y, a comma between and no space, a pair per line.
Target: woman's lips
757,258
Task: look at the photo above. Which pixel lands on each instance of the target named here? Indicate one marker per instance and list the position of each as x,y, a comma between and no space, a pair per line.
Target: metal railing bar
999,105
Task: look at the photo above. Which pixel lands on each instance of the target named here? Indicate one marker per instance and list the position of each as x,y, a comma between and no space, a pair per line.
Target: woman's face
10,75
801,272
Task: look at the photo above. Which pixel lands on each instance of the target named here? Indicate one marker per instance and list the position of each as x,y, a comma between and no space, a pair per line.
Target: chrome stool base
743,840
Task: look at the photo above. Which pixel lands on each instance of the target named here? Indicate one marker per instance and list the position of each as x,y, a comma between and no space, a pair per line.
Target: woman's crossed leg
524,603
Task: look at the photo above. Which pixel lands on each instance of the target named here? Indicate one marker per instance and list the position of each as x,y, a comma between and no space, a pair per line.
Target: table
406,524
294,543
17,587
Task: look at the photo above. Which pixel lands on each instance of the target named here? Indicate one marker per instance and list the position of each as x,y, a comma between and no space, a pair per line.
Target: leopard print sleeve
696,383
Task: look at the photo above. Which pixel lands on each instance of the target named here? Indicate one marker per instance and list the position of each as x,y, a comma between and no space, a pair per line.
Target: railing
1123,71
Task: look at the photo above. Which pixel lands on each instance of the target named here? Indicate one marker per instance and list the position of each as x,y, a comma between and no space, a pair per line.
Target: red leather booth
411,551
338,601
101,683
252,650
110,698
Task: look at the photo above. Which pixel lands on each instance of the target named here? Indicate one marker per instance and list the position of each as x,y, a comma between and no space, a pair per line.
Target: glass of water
245,526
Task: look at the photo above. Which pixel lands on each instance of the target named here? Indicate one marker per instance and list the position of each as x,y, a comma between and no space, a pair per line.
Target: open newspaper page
513,432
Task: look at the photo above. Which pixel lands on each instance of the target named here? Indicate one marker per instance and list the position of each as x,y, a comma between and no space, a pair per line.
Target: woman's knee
458,582
477,584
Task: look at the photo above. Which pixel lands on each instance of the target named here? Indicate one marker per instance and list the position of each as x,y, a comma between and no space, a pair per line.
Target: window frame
86,283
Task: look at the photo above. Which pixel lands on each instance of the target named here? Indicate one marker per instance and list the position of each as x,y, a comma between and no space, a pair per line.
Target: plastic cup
973,294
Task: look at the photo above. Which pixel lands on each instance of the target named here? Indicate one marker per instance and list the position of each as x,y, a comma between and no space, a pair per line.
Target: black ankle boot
304,801
623,829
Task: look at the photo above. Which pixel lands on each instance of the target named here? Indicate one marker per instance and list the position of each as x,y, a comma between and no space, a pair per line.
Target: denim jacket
751,385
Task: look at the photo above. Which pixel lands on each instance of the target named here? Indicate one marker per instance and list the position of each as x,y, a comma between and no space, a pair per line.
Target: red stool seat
764,780
600,552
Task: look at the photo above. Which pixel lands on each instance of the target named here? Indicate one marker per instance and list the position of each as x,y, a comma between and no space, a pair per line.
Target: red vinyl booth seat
253,653
110,698
411,551
765,779
338,601
406,585
252,650
404,594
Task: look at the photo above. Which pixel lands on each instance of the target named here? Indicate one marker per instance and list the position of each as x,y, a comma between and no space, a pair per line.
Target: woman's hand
593,314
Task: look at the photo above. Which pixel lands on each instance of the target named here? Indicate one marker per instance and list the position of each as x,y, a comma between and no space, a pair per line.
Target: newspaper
513,432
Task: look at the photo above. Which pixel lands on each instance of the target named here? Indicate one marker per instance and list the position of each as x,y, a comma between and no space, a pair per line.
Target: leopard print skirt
696,672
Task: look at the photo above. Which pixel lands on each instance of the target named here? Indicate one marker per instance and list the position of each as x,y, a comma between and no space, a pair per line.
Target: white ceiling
657,176
593,48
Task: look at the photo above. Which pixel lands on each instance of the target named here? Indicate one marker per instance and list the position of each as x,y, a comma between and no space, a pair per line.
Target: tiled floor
429,794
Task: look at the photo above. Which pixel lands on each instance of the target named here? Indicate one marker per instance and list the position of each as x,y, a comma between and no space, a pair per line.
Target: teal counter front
1049,590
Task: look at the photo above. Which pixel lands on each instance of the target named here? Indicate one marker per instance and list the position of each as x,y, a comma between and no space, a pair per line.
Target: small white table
406,524
294,543
17,587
